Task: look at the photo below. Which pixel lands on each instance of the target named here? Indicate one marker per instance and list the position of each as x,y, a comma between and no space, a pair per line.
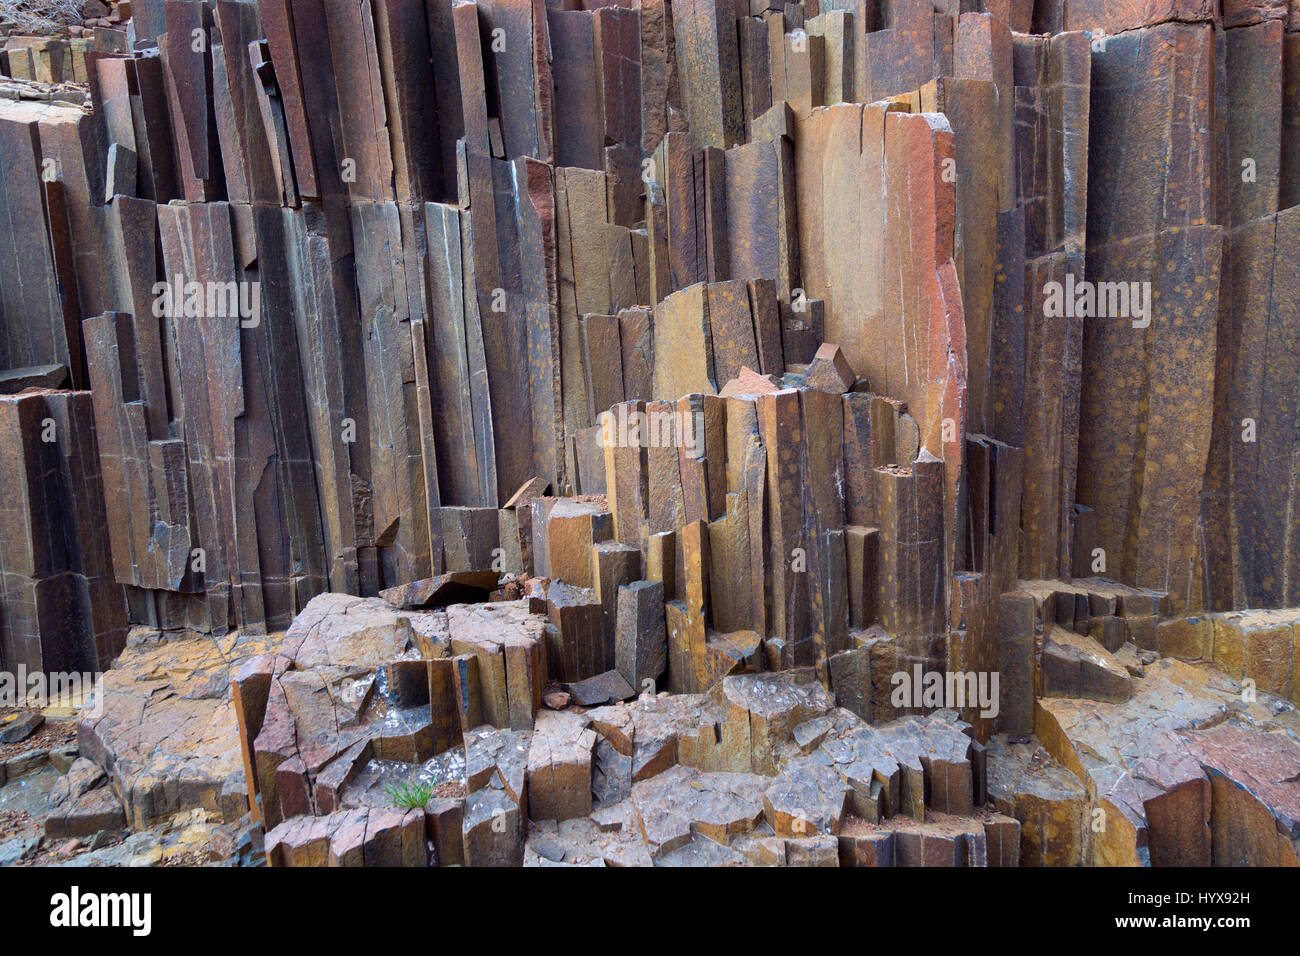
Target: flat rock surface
168,731
682,802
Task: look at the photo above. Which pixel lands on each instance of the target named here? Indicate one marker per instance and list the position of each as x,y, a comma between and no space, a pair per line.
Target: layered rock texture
675,432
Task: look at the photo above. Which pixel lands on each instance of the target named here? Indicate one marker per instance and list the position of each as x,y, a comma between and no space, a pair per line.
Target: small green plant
410,796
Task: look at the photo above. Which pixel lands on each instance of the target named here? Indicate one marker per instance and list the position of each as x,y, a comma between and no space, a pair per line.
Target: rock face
1188,771
349,838
167,730
808,430
355,680
18,727
81,805
284,723
338,724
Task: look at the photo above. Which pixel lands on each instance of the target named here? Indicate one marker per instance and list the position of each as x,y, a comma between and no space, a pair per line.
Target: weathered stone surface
455,588
560,766
497,759
1255,803
1025,783
573,527
606,688
1002,840
1155,786
830,371
508,642
575,642
614,841
939,748
18,727
640,642
806,798
365,837
681,802
762,711
855,340
168,730
1077,666
613,565
82,804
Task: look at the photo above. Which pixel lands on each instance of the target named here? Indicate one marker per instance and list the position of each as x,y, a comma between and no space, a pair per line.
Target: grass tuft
410,796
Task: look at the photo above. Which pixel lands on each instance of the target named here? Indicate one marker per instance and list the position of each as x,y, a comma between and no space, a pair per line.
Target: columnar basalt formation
690,432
